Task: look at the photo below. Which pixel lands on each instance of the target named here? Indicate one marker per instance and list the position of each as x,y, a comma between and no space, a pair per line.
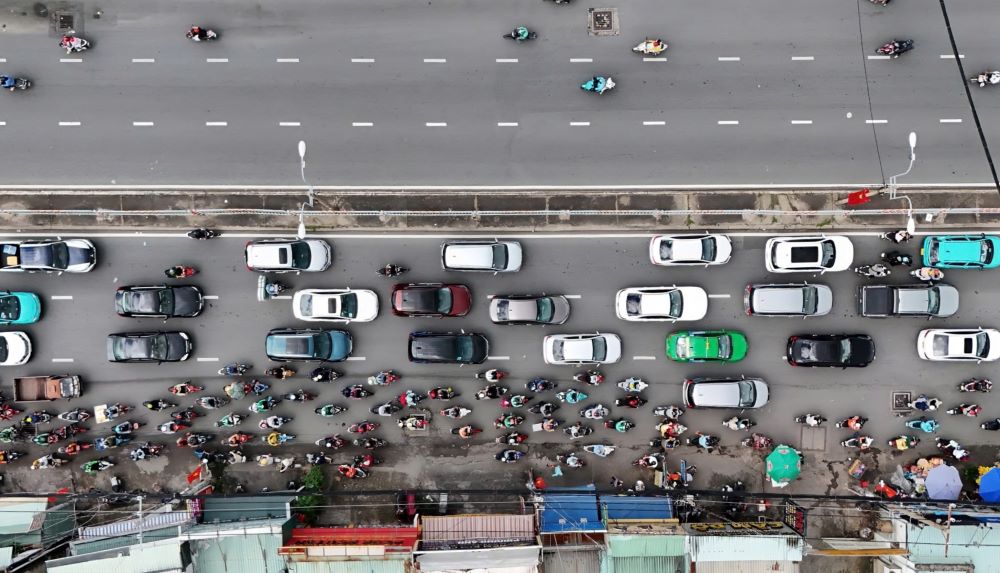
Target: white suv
288,255
482,256
808,254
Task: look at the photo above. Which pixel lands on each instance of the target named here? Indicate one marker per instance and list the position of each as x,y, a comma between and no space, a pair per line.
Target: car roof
269,255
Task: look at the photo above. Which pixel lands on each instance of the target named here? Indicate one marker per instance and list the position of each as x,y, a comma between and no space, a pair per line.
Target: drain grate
813,439
602,21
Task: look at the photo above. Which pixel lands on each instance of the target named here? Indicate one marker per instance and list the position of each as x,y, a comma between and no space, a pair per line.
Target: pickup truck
929,301
46,388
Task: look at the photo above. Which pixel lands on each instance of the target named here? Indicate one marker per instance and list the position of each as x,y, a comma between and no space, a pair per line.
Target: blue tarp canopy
631,507
571,512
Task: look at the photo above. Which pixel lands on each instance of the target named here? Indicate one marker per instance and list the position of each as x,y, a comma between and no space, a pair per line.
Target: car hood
178,346
187,301
80,256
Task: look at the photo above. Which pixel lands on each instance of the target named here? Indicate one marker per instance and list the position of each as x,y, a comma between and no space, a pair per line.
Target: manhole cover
814,439
64,22
602,21
901,400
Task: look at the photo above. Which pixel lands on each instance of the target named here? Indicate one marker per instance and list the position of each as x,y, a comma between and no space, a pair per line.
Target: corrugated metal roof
244,508
647,545
105,543
479,526
6,556
631,507
22,514
367,566
148,558
566,561
564,513
749,567
660,564
238,554
151,521
705,548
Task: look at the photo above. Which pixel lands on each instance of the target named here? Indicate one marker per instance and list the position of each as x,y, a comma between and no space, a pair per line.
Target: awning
631,507
648,564
569,513
748,567
571,560
646,545
734,549
476,529
496,559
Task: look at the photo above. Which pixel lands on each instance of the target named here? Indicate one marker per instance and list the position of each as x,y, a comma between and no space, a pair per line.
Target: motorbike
193,440
318,459
172,427
413,423
670,428
811,420
896,259
544,408
509,456
198,34
72,44
98,465
186,415
600,450
491,392
370,443
492,375
620,425
180,272
903,443
520,34
391,270
578,430
631,401
758,442
211,402
11,83
508,421
976,385
111,442
671,412
351,472
878,270
11,434
236,457
633,385
363,427
540,385
466,432
366,460
515,401
571,460
442,393
860,442
551,424
598,85
853,423
880,2
299,396
737,424
571,396
203,234
383,378
386,409
40,417
991,425
146,451
595,412
273,422
651,47
703,441
127,427
185,388
7,412
456,412
263,405
924,425
277,438
46,462
280,372
332,442
650,461
970,410
592,377
561,1
986,78
238,439
323,374
8,456
512,438
74,448
952,448
154,405
234,369
924,404
895,48
927,274
230,421
410,398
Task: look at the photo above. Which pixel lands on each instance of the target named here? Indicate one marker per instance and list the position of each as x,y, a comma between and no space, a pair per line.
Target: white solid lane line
289,297
435,60
506,60
729,58
878,57
362,124
581,60
802,58
802,122
579,124
654,123
142,124
950,120
71,60
212,359
61,297
216,123
951,56
654,59
720,296
870,121
289,124
143,60
3,60
3,123
69,124
216,60
572,296
287,60
643,358
211,297
498,357
436,124
507,124
362,60
62,360
728,122
356,358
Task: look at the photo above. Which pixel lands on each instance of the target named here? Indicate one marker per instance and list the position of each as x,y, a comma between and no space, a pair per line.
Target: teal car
961,251
19,307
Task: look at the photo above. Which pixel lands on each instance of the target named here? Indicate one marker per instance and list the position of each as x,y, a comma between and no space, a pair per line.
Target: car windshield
809,300
322,345
934,255
600,348
301,255
10,308
306,305
708,249
683,347
503,310
827,254
443,300
986,252
666,249
3,350
557,350
348,305
499,257
464,348
545,309
747,394
982,345
933,300
725,346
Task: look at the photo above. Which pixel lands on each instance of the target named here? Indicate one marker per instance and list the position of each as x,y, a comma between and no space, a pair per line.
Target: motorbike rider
896,258
622,425
550,424
649,461
954,449
171,427
263,405
237,439
989,77
521,33
386,409
813,420
271,422
274,439
391,270
971,409
183,388
903,443
737,424
515,401
409,399
924,404
441,394
507,421
546,408
323,375
492,375
572,460
509,456
280,372
927,426
854,423
706,442
8,82
179,272
466,432
631,401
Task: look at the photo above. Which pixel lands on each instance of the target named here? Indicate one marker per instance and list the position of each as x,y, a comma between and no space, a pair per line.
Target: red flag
859,197
195,475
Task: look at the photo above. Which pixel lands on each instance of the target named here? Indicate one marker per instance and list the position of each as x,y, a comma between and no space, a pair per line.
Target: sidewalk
489,210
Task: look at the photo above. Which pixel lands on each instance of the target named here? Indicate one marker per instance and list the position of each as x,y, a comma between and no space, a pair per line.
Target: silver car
481,256
788,300
529,309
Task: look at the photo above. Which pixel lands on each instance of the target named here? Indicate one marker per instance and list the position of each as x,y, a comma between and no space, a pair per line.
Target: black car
159,301
834,350
157,347
448,348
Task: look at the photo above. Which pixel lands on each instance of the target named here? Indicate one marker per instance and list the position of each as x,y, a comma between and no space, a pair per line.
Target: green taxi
706,346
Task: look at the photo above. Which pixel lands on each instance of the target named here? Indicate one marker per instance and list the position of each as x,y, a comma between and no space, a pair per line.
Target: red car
431,299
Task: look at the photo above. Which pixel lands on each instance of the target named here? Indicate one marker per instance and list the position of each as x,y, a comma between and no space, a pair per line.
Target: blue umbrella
989,486
943,482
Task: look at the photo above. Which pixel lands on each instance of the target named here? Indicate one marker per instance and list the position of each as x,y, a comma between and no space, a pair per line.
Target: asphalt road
71,338
401,93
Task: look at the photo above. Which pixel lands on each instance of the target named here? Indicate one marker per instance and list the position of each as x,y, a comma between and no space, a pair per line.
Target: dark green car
706,346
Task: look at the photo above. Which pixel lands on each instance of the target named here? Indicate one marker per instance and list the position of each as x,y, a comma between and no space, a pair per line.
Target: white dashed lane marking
3,123
507,124
951,56
435,60
289,124
495,358
950,120
143,60
802,58
728,122
62,360
506,60
356,358
207,359
362,124
643,358
362,60
729,58
69,124
654,59
216,60
581,60
71,60
211,297
654,123
726,295
216,123
142,124
572,296
287,60
579,124
436,124
879,121
802,122
878,57
62,297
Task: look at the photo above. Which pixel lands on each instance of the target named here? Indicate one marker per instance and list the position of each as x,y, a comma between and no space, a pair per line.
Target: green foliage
310,504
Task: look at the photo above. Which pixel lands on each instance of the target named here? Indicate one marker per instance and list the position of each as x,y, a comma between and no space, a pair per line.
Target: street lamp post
311,196
911,225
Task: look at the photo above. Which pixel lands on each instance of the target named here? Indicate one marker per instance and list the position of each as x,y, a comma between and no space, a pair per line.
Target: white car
15,348
959,345
594,348
335,305
817,254
653,304
48,255
669,250
288,255
482,256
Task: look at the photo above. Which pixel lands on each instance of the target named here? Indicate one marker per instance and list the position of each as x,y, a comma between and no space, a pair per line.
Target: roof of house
22,514
221,509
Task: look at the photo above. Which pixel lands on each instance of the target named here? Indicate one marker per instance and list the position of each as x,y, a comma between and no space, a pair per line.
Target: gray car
788,300
725,393
529,309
